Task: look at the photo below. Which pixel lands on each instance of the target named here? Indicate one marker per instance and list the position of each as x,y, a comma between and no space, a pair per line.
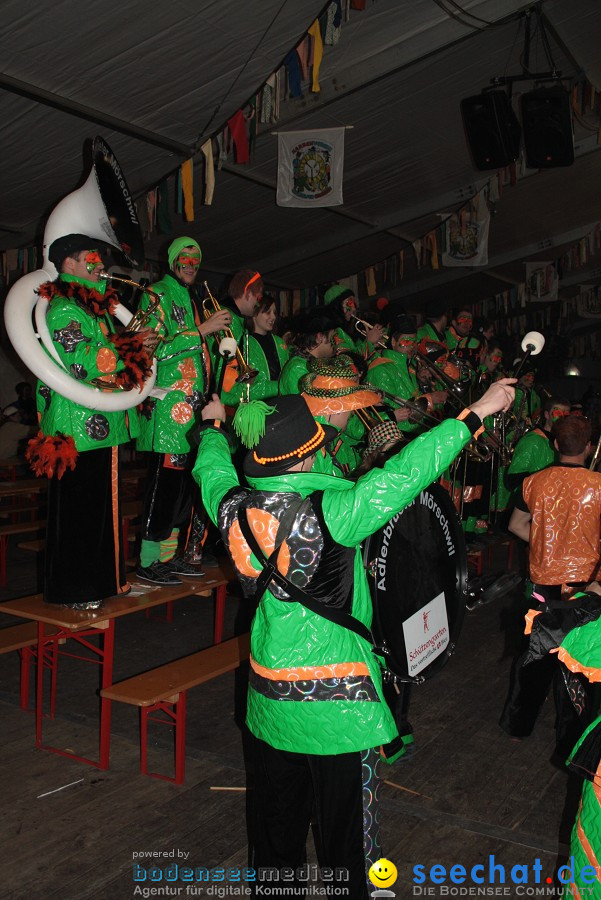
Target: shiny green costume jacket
292,372
286,635
83,342
532,453
395,377
258,360
166,423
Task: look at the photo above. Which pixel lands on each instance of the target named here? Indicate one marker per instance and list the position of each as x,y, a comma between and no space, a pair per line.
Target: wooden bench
14,528
164,689
24,638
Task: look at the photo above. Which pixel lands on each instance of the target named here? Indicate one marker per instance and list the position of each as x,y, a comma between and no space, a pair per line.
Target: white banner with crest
310,167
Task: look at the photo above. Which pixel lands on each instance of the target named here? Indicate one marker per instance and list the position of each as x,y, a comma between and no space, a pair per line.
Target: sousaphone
102,208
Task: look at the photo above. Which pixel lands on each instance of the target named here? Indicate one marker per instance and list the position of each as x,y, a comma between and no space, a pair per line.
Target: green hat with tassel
278,434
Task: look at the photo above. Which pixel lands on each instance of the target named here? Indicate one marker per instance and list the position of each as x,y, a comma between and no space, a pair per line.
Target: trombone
415,408
481,448
363,327
245,372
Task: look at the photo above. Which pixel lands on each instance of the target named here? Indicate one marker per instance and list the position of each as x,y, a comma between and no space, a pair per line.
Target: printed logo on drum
428,500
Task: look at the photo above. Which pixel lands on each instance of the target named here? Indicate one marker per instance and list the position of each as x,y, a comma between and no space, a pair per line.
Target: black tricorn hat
291,435
69,244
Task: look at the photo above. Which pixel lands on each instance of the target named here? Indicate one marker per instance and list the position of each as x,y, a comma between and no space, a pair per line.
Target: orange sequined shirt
565,532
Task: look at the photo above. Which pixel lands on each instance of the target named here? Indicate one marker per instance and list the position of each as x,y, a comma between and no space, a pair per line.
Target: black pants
168,495
528,689
340,792
84,554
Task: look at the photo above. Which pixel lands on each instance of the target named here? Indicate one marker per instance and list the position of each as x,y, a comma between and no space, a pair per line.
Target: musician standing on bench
309,638
166,422
77,448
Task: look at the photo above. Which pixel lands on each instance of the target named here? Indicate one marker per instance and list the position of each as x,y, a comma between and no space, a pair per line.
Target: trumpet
245,372
141,317
363,327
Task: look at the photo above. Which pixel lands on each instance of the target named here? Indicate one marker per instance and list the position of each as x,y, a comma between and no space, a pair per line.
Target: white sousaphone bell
102,208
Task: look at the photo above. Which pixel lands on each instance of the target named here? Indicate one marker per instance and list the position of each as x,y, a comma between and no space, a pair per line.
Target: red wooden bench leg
53,672
220,595
3,543
169,613
144,710
176,713
180,738
26,657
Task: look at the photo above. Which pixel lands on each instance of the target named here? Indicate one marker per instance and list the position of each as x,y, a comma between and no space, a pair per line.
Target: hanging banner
310,167
542,282
467,236
588,301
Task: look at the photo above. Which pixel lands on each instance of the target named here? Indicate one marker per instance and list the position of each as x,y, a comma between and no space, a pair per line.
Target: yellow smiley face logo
383,873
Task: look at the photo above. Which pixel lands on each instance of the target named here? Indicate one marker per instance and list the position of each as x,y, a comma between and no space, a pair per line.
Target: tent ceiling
396,76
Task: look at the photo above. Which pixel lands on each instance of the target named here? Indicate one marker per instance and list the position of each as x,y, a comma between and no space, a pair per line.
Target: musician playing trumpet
245,295
343,307
77,448
170,414
393,372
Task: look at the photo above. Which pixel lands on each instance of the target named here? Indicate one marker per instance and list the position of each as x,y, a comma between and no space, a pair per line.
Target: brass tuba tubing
245,372
140,318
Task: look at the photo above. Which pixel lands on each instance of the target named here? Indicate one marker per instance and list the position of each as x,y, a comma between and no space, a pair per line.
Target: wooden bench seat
15,528
164,689
34,546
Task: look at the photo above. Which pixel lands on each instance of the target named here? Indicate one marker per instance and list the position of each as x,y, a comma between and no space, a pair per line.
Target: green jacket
396,378
82,340
532,453
258,360
286,635
292,372
166,423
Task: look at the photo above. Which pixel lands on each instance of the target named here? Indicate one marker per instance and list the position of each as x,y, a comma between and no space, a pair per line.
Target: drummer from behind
309,637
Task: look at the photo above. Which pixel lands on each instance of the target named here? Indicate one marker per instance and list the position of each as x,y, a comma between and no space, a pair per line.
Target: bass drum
417,573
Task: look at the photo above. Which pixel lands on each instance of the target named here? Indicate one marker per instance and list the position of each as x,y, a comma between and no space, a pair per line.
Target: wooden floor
467,792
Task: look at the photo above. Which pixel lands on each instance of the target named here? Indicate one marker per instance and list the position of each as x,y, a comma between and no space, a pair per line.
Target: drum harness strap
271,573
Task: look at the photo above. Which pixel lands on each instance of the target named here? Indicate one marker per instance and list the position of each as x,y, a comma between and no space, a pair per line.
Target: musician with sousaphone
170,414
77,446
89,379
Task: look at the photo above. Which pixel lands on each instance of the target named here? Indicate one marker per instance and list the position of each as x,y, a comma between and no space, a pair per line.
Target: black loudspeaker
548,134
492,129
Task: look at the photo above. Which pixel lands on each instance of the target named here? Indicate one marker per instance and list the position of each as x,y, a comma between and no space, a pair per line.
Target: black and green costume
78,447
297,653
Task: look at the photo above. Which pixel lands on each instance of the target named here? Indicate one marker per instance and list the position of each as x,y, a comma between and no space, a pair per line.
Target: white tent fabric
176,72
